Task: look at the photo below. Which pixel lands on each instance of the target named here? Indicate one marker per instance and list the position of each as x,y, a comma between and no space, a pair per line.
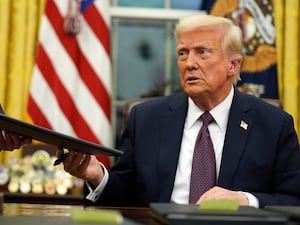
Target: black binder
292,212
55,138
177,214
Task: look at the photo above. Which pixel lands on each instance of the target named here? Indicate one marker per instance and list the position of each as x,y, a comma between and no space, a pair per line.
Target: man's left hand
10,141
222,193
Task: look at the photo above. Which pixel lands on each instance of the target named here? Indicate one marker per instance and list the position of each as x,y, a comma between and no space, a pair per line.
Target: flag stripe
34,109
81,128
56,118
69,75
98,25
71,46
71,84
99,60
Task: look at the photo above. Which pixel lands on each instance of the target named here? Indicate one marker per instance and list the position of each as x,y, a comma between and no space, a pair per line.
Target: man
255,144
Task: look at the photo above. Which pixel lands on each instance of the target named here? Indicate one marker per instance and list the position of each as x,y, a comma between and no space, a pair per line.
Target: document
48,136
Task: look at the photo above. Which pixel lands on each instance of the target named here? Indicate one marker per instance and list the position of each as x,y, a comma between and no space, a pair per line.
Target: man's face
203,67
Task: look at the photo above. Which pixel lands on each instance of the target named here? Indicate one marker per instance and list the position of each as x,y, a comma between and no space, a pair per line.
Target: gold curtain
287,17
19,23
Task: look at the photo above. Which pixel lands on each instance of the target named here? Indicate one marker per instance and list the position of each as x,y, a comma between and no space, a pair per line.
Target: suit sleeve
284,189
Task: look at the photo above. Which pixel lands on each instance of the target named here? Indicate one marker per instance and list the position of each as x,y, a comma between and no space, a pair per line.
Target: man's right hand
83,166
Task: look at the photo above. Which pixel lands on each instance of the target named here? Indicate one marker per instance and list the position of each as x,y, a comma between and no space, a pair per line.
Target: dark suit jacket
263,159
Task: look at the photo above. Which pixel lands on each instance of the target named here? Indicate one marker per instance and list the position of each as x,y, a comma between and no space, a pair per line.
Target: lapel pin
244,125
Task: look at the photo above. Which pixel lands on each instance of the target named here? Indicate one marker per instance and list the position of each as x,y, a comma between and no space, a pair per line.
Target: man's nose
191,61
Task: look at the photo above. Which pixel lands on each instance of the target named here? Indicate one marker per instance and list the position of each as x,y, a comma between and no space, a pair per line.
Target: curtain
19,23
287,17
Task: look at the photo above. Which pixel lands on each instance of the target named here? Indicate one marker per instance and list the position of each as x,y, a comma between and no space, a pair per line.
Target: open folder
54,138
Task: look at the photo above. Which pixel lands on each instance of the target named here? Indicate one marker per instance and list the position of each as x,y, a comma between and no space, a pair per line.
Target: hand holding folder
11,140
48,136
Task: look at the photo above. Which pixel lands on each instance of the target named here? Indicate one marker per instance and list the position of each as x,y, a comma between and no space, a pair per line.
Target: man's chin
193,91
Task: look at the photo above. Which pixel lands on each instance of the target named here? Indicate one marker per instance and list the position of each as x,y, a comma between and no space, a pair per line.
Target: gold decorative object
36,174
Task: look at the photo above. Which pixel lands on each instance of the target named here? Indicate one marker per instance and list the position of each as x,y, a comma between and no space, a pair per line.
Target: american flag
70,90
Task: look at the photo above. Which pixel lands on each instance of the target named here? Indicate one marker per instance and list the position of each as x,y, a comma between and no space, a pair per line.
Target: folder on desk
54,138
177,214
292,212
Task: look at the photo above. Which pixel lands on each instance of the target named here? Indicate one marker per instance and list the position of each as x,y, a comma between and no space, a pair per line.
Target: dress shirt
217,131
93,195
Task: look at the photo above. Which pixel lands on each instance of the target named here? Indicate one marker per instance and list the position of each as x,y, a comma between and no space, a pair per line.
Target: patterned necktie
203,174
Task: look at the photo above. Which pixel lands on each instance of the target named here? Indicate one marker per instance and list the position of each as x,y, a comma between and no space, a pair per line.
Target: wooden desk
43,199
138,215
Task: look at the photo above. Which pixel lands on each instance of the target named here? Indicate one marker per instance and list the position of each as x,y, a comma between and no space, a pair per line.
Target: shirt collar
220,112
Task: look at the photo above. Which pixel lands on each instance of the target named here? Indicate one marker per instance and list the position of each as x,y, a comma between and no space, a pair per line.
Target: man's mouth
192,78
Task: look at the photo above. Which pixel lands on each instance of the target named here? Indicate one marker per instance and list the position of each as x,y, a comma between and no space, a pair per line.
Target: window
144,61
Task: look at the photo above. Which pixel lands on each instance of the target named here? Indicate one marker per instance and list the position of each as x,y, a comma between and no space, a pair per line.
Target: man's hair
232,35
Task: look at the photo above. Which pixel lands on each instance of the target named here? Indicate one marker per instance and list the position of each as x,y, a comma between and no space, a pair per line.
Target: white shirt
192,125
217,132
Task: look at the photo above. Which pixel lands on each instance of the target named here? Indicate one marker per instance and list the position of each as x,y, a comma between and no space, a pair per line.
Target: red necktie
203,174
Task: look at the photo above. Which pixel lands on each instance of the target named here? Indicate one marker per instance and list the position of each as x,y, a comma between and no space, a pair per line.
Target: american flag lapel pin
244,125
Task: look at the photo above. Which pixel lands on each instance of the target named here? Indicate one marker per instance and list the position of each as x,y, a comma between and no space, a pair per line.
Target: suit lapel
239,124
170,142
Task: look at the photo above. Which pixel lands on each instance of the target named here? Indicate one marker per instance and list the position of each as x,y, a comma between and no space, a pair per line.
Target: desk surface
50,214
60,214
48,220
43,199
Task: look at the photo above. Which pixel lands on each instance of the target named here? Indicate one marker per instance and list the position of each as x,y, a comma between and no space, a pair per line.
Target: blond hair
232,35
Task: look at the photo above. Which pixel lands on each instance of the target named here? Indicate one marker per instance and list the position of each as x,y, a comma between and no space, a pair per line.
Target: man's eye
182,54
203,51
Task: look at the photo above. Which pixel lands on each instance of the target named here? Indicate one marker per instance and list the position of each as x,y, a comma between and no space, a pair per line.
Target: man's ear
234,66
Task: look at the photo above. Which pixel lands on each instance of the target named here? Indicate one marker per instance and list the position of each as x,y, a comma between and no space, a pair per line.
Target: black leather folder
176,214
54,138
292,212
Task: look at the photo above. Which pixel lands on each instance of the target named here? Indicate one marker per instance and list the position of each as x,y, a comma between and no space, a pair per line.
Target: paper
99,216
219,205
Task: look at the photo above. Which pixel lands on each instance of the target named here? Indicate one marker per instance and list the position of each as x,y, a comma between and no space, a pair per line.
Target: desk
43,199
138,215
50,214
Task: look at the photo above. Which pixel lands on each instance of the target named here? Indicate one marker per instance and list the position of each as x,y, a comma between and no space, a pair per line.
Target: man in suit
256,149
